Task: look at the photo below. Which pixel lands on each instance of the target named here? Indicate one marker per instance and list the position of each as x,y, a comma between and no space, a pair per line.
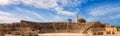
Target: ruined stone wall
55,27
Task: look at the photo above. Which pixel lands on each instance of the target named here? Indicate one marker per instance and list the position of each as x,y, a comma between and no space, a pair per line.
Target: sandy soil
72,34
63,34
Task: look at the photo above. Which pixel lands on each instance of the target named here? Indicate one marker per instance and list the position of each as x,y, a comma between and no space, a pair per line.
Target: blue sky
107,11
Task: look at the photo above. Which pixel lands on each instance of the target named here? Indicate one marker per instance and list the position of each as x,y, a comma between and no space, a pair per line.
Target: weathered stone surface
28,28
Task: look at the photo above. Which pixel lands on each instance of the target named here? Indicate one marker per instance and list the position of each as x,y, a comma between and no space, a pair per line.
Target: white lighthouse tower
76,17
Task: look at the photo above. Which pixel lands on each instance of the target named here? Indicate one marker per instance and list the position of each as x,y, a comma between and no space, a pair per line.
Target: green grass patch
118,27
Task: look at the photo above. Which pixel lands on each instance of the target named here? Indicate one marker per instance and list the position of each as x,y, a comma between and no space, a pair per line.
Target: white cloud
71,3
90,19
29,14
63,12
103,10
5,13
41,3
57,18
115,16
4,1
29,18
66,13
45,4
29,2
7,17
39,16
8,2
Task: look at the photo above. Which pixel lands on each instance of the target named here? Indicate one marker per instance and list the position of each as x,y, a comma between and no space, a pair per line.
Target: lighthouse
76,17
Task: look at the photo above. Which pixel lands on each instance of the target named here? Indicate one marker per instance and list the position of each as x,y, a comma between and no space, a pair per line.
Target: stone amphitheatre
30,28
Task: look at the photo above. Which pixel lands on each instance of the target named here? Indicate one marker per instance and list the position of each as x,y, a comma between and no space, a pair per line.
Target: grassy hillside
1,24
117,27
